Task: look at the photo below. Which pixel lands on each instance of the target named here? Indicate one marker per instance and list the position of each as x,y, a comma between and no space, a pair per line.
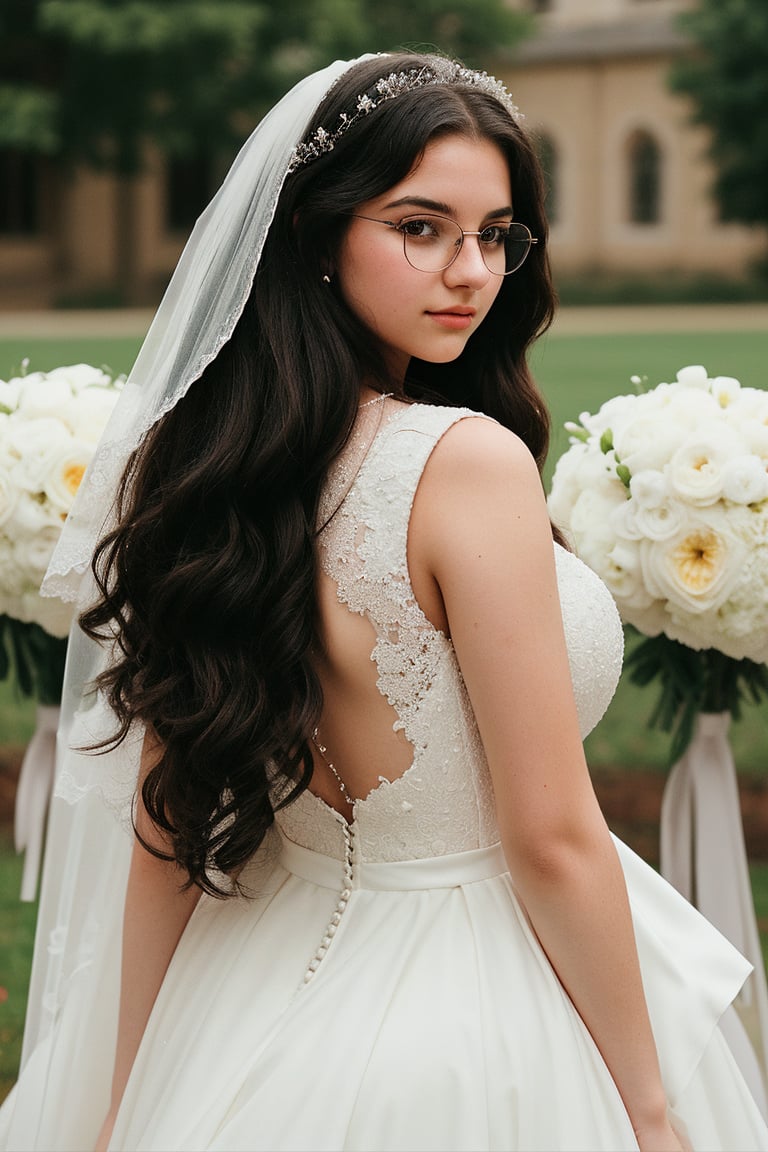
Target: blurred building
629,179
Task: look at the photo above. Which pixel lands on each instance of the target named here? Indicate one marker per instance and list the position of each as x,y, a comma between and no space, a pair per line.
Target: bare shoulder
480,496
477,444
477,465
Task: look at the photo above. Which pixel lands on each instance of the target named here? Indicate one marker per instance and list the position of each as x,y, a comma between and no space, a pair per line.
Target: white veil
75,976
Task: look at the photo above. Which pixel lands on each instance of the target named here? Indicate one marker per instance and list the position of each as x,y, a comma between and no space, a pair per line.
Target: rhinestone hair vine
389,88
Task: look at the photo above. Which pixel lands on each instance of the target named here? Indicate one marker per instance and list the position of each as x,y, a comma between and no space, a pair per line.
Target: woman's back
395,706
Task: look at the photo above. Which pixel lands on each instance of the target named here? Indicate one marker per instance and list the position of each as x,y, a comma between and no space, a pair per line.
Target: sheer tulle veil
77,952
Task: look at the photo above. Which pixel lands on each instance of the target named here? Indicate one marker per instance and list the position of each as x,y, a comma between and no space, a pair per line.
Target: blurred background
118,119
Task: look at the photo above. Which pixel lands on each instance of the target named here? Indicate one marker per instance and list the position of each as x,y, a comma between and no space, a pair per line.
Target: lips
454,318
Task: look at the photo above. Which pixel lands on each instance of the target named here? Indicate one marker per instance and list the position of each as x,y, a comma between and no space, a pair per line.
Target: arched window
19,193
644,161
550,163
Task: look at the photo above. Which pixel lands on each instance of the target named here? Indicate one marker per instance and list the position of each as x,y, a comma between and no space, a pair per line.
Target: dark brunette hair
208,578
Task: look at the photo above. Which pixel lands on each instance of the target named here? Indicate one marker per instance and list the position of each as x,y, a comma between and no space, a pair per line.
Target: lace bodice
444,801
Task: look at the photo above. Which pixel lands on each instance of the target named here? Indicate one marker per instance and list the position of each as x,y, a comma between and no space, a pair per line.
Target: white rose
613,413
756,440
695,472
693,376
78,376
725,390
66,473
89,412
9,393
30,516
648,488
582,467
661,523
697,568
35,444
648,442
47,397
623,576
745,480
592,531
34,553
633,522
8,495
651,621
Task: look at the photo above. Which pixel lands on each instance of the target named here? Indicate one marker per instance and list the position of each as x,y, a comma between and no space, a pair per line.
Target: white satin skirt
432,1020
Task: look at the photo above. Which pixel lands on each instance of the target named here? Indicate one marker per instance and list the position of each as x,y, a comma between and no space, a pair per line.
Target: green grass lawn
575,373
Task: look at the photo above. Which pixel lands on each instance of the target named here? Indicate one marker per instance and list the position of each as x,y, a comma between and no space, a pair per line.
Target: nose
468,268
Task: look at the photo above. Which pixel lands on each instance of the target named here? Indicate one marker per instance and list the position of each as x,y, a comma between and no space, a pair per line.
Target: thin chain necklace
323,753
376,399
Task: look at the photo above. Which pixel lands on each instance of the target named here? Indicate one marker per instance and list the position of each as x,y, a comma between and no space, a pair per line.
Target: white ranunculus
31,515
661,523
745,480
89,412
34,444
78,376
725,390
695,471
649,488
647,443
33,555
693,376
9,394
46,398
66,473
8,495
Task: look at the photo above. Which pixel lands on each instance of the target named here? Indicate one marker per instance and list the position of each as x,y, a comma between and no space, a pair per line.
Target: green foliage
94,80
690,682
727,78
28,118
34,658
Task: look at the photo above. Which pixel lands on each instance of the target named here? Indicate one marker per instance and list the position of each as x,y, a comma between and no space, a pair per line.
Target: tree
726,75
93,81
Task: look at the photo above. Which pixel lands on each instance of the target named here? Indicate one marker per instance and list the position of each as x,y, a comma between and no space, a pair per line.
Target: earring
326,279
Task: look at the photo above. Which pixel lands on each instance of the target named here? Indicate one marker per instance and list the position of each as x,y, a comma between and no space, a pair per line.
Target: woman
371,901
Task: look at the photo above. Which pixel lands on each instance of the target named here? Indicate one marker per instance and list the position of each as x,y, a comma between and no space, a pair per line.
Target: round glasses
432,243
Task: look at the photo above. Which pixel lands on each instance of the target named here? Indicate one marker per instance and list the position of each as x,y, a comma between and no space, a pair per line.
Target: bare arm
156,914
481,532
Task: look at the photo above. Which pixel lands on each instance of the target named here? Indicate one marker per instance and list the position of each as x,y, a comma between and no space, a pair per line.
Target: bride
325,869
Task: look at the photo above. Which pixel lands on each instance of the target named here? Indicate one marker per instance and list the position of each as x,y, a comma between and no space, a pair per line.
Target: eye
494,234
420,227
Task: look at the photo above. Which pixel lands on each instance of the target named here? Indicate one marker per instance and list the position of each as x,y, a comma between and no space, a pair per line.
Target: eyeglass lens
432,243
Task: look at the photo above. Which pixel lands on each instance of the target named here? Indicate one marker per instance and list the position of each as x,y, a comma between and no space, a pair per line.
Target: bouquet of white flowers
664,494
50,423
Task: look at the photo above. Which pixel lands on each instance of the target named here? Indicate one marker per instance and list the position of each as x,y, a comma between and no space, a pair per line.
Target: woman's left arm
481,529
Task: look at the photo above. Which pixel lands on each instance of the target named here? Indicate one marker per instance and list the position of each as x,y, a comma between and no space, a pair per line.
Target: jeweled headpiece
392,86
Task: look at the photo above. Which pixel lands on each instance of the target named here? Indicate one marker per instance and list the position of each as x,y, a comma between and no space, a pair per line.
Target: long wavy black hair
208,578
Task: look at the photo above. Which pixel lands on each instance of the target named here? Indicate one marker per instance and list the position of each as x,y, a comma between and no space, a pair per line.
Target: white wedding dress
383,989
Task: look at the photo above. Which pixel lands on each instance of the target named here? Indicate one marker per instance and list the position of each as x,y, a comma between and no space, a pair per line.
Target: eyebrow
444,209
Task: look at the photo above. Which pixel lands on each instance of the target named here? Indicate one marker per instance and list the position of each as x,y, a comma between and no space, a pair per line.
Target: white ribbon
704,857
32,795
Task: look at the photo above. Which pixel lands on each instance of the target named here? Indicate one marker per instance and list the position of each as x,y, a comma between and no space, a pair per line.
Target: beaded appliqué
392,86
